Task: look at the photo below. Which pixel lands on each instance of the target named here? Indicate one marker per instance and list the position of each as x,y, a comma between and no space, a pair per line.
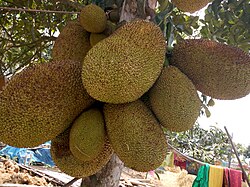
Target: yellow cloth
215,176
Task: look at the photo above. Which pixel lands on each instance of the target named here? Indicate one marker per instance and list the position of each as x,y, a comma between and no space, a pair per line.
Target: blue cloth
25,156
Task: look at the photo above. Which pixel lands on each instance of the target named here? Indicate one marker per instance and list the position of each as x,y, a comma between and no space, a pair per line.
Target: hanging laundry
215,176
235,177
202,177
179,161
192,167
226,182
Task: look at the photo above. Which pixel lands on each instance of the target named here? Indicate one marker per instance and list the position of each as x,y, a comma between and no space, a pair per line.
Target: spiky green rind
190,5
122,67
217,70
72,43
69,164
93,18
87,135
40,102
174,100
95,38
135,135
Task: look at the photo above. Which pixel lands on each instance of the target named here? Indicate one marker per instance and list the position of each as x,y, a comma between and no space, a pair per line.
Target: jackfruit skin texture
190,5
95,38
217,70
174,100
2,82
40,102
72,43
87,135
135,135
93,18
122,67
66,162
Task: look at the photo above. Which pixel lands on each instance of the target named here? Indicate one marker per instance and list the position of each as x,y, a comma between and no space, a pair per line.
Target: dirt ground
172,177
11,173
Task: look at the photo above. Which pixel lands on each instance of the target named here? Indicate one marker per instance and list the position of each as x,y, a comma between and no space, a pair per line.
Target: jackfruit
72,43
174,100
135,135
95,38
40,102
87,135
190,5
122,67
93,18
66,162
2,82
217,70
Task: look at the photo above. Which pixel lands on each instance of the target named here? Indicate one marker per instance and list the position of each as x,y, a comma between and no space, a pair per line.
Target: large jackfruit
122,67
2,82
72,43
66,162
174,100
87,135
40,102
217,70
93,18
135,135
190,5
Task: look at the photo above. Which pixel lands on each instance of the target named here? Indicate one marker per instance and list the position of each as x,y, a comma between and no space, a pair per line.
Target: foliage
27,37
204,145
247,152
226,21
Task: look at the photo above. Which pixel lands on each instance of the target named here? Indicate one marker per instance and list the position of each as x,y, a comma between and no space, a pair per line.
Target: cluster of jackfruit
106,93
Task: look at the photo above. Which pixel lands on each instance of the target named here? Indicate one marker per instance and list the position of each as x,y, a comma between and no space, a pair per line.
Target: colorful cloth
226,182
192,167
215,176
202,177
235,177
179,161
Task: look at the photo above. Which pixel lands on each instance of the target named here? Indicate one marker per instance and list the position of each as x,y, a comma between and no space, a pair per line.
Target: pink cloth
226,178
179,161
235,178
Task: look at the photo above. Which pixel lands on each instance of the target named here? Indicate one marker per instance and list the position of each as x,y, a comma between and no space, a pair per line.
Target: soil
12,173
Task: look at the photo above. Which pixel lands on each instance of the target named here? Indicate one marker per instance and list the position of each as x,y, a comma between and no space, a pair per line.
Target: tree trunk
109,176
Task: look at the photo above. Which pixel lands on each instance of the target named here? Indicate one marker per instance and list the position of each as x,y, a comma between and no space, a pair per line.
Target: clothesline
185,156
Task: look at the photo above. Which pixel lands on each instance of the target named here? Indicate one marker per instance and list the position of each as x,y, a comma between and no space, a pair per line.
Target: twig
70,182
35,10
237,156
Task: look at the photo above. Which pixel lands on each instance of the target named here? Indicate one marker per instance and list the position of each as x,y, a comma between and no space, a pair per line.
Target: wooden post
237,156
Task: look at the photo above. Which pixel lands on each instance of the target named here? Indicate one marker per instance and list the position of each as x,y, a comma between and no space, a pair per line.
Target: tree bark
109,176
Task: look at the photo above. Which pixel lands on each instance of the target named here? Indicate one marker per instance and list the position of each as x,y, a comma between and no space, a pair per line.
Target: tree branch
75,5
35,10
